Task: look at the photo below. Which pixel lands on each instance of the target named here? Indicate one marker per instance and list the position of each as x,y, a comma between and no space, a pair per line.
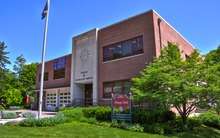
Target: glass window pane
107,90
123,49
58,74
127,87
117,88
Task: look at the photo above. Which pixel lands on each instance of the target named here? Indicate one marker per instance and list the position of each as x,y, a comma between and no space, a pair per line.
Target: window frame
59,76
112,84
46,76
123,44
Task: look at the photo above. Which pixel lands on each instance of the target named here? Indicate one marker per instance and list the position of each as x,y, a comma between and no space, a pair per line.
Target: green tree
19,63
12,97
172,81
4,59
27,78
8,82
213,57
212,78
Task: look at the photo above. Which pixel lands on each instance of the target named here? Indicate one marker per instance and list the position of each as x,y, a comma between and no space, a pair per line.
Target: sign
121,102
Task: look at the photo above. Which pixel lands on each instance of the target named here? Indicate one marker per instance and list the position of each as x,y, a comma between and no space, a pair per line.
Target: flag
44,13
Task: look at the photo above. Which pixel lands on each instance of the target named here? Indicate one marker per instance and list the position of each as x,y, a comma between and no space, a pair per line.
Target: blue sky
21,26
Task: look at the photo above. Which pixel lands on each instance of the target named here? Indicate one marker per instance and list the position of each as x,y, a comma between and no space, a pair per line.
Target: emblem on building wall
84,55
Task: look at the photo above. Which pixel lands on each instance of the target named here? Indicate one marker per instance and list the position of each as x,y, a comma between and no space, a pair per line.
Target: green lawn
83,130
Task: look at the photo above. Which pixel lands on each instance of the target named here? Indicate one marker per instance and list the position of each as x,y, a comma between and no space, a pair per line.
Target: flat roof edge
151,10
83,33
173,28
56,58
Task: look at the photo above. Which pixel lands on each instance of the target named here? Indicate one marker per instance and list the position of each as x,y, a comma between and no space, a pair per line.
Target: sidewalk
44,115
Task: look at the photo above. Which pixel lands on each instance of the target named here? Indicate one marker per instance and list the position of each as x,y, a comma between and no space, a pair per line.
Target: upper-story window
59,68
46,76
122,49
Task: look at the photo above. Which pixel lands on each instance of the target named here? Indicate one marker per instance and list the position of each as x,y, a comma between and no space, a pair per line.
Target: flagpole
43,62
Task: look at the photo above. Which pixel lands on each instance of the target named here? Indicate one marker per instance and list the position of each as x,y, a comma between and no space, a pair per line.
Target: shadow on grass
201,132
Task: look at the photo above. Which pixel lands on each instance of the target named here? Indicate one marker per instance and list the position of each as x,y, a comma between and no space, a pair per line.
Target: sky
21,27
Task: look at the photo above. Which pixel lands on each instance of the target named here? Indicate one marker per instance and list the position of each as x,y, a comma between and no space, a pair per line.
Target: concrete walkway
19,112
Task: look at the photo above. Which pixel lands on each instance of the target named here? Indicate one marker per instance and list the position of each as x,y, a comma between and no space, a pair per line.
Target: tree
212,78
19,63
213,57
172,81
8,81
12,97
27,78
4,59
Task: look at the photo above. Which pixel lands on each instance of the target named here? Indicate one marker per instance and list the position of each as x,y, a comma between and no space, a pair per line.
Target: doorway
88,95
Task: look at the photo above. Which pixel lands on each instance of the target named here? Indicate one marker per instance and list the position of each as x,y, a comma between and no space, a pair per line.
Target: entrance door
88,94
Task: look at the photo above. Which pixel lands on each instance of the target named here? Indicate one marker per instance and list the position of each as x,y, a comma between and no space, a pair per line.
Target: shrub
106,124
100,113
152,116
210,119
103,114
89,112
12,123
72,113
177,125
88,120
9,115
136,128
154,128
122,125
43,122
193,122
29,115
1,108
166,116
115,124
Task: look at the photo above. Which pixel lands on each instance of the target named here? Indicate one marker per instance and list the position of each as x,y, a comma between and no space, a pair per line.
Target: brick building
104,60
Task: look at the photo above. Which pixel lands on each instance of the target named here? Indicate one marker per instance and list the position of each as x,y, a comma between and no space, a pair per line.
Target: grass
71,130
84,130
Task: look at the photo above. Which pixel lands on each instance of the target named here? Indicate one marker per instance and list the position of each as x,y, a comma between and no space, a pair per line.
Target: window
116,87
59,74
122,49
46,76
59,68
51,99
59,63
127,86
64,99
107,90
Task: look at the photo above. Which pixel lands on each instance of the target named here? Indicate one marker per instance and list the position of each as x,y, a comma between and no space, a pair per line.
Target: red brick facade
155,31
145,24
165,33
51,83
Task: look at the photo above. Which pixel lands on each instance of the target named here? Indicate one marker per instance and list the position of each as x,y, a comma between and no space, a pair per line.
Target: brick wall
128,67
51,83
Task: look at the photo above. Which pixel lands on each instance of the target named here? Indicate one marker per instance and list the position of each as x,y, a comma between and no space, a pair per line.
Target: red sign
121,101
27,99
